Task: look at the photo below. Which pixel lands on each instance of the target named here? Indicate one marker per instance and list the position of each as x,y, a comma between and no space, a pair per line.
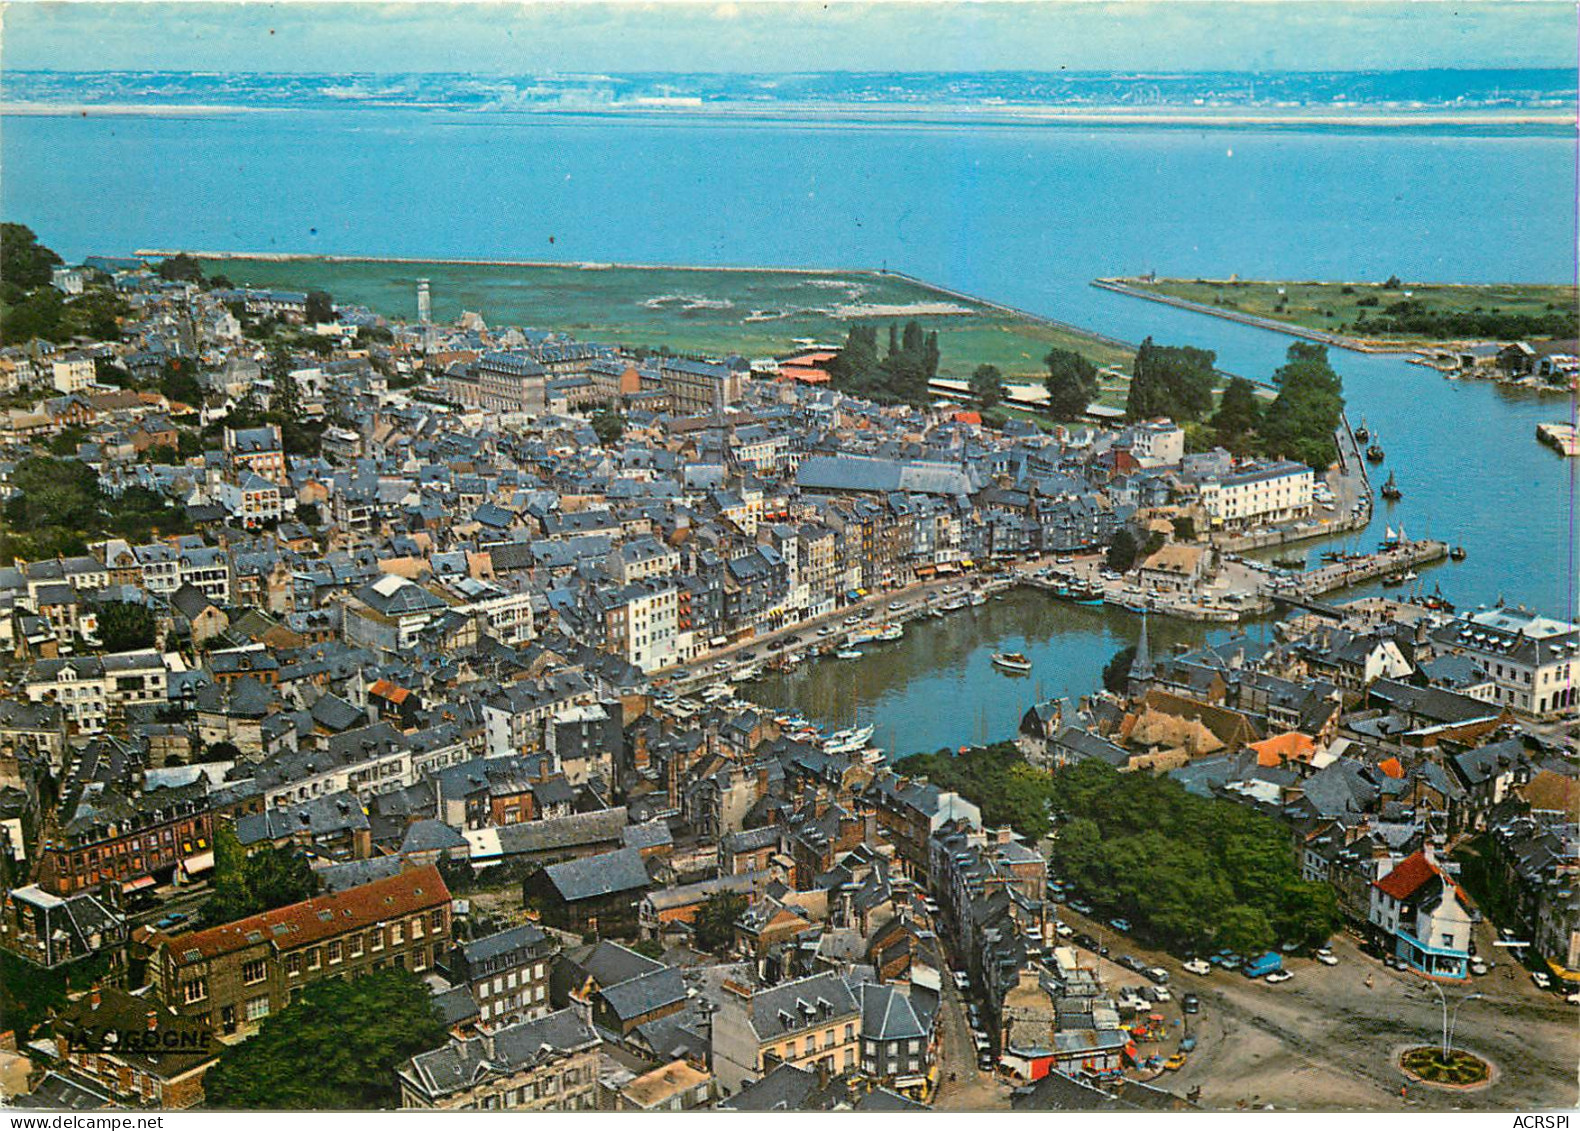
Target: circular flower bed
1460,1070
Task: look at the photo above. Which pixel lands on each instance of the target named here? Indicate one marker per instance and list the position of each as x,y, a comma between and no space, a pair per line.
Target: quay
1562,437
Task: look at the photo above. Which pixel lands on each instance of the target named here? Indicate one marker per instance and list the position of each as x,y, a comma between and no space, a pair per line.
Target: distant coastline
834,115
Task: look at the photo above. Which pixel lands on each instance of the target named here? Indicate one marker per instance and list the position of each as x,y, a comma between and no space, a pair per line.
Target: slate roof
593,877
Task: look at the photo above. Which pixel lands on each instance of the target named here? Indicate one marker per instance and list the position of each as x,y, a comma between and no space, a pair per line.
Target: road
971,1089
1325,1040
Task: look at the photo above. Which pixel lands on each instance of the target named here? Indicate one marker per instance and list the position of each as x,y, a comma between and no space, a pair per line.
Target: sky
786,35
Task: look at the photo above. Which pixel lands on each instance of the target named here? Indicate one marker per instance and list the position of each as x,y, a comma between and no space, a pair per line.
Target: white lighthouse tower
424,305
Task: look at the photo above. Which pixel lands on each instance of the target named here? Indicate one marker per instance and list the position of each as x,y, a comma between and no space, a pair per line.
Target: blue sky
786,35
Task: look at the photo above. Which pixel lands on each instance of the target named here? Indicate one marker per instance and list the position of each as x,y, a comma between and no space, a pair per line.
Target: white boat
716,692
750,672
849,654
1410,575
1011,662
978,599
890,632
854,734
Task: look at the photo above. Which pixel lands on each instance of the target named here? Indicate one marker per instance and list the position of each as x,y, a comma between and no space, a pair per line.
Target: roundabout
1426,1064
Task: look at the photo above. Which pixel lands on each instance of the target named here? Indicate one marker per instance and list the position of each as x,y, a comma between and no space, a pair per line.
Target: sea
1024,215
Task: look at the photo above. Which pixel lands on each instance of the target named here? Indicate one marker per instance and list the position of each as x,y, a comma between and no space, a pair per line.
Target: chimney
153,1019
93,997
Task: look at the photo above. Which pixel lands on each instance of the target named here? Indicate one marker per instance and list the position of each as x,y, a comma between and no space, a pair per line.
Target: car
1231,962
1157,974
985,1062
1175,1062
1161,993
721,665
1064,930
1572,997
961,981
175,918
793,639
1083,908
1190,1003
1394,962
1065,560
1540,980
896,606
1120,925
1478,967
775,646
1198,966
825,630
1327,957
1278,976
1081,938
1131,962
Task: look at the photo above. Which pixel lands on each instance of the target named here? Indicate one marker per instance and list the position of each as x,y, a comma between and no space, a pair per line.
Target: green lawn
1335,307
710,311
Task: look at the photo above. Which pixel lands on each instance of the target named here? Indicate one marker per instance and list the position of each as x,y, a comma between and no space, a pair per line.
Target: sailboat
1390,490
1362,434
1390,539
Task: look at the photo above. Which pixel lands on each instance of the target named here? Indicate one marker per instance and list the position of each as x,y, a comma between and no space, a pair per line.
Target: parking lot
1325,1040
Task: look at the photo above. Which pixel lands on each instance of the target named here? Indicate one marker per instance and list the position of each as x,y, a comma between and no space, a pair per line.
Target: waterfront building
1532,661
1258,493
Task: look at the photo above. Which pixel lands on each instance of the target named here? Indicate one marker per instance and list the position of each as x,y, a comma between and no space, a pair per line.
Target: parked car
1198,966
1175,1062
1540,980
825,630
1278,976
1327,957
1161,993
1120,925
1158,975
1081,938
1131,962
1478,967
175,918
1190,1003
1083,908
961,981
985,1062
896,606
1064,930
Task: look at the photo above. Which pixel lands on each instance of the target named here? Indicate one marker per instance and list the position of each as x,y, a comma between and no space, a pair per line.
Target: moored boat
1390,490
848,654
1375,454
1011,662
1457,554
1362,434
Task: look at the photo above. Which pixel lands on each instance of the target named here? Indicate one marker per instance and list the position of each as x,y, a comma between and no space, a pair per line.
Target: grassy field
1335,307
709,311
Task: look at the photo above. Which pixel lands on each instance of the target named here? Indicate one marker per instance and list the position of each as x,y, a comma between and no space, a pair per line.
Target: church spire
1141,666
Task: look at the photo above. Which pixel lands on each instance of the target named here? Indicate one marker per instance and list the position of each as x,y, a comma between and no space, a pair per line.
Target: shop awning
1562,974
202,862
968,563
142,883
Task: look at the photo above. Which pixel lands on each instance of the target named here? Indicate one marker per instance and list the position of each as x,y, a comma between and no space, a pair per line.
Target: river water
1026,216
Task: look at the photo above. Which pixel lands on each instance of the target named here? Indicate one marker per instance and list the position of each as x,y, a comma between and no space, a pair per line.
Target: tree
1301,421
1184,527
1238,418
987,385
181,268
35,316
178,381
335,1048
714,926
24,262
609,425
286,401
1122,551
125,626
1171,381
245,884
1116,673
1072,384
320,307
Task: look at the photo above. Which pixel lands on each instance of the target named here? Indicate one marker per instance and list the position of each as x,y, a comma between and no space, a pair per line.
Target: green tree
178,381
1172,381
1122,551
714,926
24,262
1072,384
1184,527
247,883
35,316
609,425
987,385
125,626
320,307
285,402
181,268
334,1049
1238,418
1116,673
1301,421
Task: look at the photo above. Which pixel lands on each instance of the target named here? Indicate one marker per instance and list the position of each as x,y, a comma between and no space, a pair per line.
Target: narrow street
971,1089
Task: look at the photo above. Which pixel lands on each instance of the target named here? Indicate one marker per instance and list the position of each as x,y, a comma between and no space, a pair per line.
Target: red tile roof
322,917
1408,876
